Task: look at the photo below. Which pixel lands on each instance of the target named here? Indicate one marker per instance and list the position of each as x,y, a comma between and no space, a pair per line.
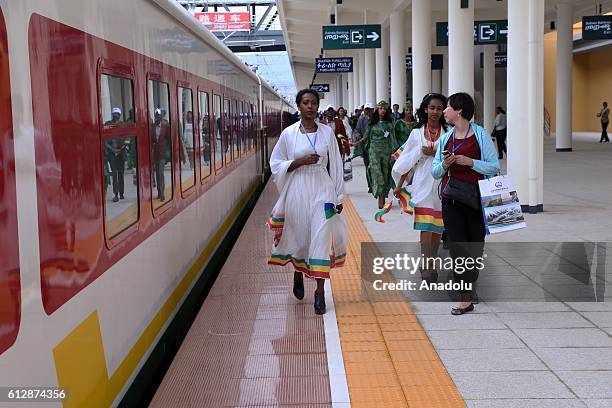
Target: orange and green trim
314,268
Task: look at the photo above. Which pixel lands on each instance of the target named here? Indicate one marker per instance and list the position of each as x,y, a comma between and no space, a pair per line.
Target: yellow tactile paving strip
388,357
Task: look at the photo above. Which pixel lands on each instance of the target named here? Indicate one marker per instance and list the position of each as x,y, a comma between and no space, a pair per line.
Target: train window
187,142
227,119
243,127
218,133
121,207
204,134
161,142
253,128
236,129
117,100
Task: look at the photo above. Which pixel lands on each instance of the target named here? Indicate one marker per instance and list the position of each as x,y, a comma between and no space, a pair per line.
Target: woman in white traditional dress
421,198
309,231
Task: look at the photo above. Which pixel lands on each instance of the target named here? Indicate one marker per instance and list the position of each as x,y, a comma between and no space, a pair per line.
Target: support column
350,102
398,59
356,85
564,77
535,103
436,81
370,75
461,47
362,76
382,68
489,87
421,50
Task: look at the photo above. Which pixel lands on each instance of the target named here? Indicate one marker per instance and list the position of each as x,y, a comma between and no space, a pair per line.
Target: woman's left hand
427,150
339,208
463,160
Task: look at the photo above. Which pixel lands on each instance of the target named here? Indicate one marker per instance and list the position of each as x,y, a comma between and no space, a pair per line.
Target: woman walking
309,231
424,203
404,126
604,117
499,131
379,142
465,155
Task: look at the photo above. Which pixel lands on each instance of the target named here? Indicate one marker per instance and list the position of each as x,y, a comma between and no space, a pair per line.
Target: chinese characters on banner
225,21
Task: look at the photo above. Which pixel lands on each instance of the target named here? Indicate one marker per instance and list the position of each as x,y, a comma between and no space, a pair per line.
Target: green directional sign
597,27
343,37
485,32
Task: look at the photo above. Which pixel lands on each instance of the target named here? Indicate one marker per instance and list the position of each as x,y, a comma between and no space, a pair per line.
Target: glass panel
204,135
243,127
253,128
186,139
227,130
117,99
161,142
218,133
122,205
236,129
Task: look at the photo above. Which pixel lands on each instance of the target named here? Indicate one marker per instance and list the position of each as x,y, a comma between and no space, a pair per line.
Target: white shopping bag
348,170
501,207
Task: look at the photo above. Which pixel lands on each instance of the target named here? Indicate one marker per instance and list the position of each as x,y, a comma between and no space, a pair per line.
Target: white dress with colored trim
307,236
422,195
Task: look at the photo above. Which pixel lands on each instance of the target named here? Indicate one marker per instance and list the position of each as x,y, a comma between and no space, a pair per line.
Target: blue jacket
488,165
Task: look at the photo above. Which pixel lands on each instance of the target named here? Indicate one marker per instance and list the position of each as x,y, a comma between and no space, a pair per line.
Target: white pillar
461,47
421,50
564,77
382,68
350,103
489,87
362,76
398,59
535,101
445,74
370,75
356,100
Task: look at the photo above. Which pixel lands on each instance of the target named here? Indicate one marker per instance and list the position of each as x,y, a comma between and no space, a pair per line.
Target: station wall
592,84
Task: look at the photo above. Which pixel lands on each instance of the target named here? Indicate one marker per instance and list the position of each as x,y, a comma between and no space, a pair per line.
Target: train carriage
131,141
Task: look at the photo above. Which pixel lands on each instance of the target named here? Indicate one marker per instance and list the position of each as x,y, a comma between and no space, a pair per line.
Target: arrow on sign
374,36
503,31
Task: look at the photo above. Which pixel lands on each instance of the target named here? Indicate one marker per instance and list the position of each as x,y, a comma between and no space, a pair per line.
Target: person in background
116,152
360,129
309,231
418,153
465,153
337,126
379,142
160,133
403,127
396,114
604,116
345,121
499,131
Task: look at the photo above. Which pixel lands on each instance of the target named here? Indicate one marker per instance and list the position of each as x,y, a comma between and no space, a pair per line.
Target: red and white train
130,141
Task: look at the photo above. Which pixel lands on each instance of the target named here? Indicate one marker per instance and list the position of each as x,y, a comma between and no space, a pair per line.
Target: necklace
314,145
436,135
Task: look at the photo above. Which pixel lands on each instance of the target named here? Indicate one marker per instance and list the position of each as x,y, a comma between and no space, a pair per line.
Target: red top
467,147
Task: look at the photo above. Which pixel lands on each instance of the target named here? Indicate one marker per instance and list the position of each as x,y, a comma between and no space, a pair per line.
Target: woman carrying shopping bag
465,155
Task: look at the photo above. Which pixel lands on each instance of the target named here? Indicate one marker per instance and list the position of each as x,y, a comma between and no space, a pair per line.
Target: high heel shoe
319,303
456,311
298,288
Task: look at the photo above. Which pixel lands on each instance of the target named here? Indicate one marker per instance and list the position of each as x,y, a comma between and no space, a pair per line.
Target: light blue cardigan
488,165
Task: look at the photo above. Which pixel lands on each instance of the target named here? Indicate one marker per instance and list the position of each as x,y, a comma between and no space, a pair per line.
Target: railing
546,123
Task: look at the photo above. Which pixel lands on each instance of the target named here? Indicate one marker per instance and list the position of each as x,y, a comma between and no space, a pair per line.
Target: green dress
402,131
379,140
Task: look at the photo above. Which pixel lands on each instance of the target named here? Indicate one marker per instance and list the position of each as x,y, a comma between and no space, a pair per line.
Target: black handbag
462,191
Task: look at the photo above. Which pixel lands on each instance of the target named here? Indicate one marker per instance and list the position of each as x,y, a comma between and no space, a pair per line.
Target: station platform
254,344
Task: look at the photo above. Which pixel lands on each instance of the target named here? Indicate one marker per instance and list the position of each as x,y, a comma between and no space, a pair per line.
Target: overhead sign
597,27
333,65
225,21
351,36
437,62
485,32
320,87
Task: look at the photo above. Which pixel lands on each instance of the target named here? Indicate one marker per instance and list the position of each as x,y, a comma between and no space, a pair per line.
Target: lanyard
308,137
464,139
431,142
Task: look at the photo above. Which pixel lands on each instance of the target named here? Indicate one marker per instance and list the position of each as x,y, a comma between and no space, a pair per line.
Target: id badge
386,135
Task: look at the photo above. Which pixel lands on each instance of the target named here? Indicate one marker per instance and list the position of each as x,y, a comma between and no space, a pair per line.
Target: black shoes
115,199
319,303
298,288
121,197
456,311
